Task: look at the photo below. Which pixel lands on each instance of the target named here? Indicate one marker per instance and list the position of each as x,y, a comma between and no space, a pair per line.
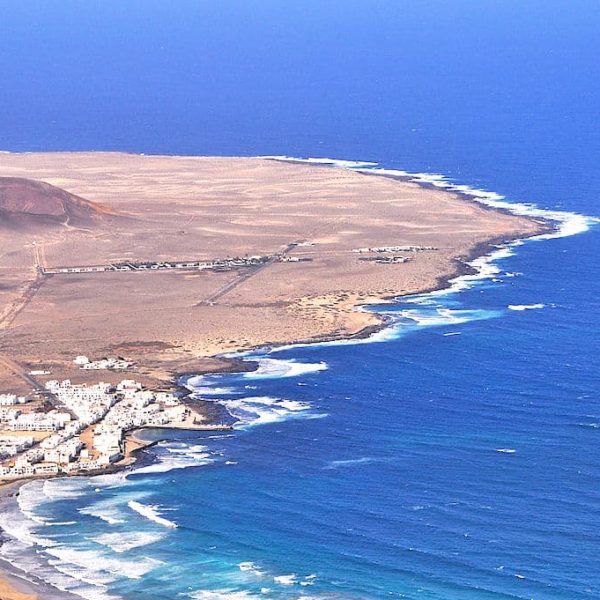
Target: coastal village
154,266
221,265
71,428
83,428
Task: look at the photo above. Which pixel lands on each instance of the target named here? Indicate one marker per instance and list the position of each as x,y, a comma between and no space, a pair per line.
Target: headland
120,272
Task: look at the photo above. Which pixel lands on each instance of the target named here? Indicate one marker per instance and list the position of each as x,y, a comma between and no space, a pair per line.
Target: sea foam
98,568
177,455
525,306
223,594
331,162
151,512
351,462
122,542
19,520
272,368
268,368
105,511
260,410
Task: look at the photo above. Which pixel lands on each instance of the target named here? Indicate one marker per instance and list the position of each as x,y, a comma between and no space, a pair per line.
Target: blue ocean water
454,457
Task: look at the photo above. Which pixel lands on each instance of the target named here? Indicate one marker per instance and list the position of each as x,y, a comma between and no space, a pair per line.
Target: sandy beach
14,584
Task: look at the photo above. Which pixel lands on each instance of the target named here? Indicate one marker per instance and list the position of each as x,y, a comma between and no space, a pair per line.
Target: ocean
452,456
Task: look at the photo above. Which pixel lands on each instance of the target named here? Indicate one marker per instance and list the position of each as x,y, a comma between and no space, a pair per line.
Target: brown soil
26,201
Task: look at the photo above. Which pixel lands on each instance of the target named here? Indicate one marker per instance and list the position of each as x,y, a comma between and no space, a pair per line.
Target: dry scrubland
174,208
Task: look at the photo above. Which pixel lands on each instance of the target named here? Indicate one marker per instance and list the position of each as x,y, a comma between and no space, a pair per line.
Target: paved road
21,372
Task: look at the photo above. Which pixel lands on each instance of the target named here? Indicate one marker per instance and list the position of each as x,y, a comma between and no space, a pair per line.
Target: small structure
108,362
11,399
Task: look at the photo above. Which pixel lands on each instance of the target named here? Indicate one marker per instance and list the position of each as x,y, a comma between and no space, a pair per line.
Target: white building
8,399
51,421
46,469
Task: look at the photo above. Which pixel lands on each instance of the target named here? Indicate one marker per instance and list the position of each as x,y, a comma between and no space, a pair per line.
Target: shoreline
23,589
14,583
18,587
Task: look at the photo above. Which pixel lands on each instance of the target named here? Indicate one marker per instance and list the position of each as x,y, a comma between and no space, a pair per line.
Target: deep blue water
425,466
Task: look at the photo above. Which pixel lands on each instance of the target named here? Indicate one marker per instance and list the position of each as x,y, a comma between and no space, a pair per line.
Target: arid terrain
61,210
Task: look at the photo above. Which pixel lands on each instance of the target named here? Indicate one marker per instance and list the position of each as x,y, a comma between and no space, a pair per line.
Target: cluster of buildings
14,419
88,434
89,403
394,259
11,445
295,259
136,408
219,265
61,449
383,249
12,399
386,260
115,364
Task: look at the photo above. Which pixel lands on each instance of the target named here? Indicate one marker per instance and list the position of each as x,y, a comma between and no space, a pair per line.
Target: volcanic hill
27,202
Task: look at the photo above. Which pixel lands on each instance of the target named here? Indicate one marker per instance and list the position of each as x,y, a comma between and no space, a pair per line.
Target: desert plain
62,210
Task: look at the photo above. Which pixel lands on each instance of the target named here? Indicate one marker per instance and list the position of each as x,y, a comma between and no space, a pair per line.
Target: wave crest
151,512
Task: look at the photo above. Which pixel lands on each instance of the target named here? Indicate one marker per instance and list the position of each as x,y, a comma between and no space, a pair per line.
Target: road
22,373
30,289
251,272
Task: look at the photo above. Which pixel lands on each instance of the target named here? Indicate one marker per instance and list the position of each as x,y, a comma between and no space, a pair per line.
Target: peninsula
118,272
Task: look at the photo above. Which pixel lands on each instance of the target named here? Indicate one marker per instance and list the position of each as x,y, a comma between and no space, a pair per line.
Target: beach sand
13,583
9,592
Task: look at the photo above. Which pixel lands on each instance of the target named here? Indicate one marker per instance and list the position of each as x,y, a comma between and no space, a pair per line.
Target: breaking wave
123,541
151,512
249,411
221,595
351,462
268,368
105,510
260,410
330,162
176,455
273,368
445,316
525,306
97,568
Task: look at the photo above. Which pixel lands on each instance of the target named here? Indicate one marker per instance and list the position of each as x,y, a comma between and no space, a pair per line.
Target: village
385,255
386,249
69,428
219,265
228,264
84,429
